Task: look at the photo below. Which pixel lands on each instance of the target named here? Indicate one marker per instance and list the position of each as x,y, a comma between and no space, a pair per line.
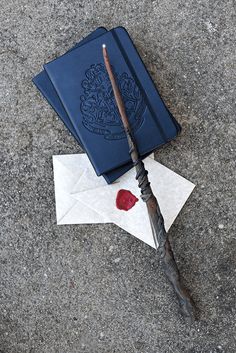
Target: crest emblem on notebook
100,114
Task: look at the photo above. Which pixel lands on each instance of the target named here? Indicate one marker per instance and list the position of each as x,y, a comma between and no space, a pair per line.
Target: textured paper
83,197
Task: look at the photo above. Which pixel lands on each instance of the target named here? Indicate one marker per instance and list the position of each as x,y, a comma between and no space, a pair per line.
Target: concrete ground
70,289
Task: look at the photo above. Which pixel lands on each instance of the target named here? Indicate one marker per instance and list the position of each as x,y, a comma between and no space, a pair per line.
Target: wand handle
156,219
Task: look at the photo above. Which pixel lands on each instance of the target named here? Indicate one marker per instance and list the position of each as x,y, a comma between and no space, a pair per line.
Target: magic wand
156,219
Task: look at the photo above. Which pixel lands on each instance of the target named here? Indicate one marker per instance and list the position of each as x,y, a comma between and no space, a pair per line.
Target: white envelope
83,197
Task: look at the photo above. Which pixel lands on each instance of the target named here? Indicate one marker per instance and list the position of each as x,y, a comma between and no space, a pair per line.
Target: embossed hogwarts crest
100,114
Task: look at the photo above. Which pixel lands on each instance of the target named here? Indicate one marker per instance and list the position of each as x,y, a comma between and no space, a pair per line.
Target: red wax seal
125,200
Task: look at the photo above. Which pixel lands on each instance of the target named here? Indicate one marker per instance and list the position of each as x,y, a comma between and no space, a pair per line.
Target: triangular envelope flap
170,189
103,200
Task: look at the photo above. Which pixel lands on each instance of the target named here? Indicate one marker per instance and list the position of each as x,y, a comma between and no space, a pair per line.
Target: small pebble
220,226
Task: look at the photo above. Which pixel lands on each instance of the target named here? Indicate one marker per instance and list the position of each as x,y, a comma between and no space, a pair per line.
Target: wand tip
104,45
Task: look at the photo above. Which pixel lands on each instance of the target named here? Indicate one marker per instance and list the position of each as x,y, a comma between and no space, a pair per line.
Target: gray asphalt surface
95,288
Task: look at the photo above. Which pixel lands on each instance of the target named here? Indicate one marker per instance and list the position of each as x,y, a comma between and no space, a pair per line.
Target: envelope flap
135,221
171,190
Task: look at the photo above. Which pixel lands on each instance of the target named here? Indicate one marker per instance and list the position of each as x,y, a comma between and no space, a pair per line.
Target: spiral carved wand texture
156,219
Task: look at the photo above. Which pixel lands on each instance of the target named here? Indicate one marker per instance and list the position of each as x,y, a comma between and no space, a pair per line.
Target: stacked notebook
78,88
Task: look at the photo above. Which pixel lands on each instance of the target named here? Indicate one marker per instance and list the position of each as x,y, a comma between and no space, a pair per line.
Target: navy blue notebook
82,84
45,86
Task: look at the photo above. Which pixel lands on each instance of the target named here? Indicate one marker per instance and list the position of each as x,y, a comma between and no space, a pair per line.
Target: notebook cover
43,83
83,86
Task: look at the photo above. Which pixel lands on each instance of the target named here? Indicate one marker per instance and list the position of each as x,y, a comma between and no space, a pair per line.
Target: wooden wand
156,219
